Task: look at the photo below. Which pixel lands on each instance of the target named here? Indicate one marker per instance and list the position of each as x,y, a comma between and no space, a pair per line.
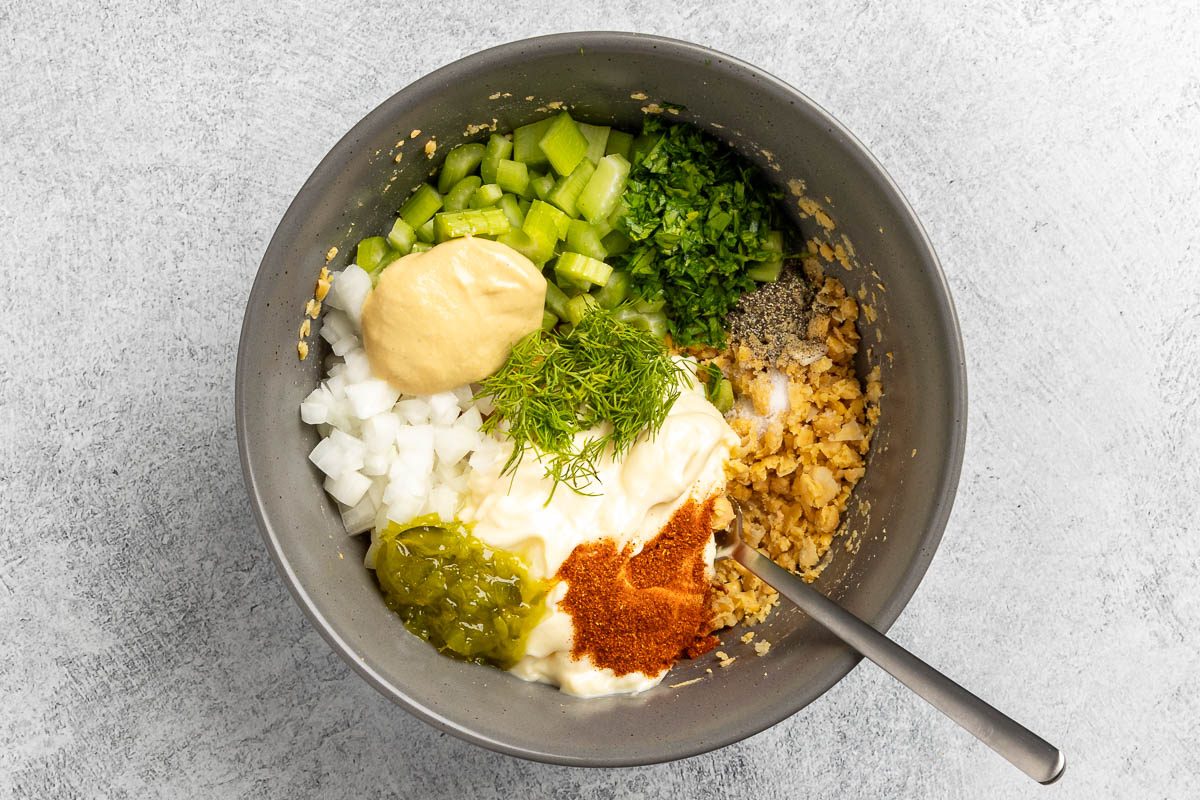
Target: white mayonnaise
630,503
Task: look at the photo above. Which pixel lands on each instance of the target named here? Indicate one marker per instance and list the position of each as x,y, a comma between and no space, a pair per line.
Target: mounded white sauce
631,502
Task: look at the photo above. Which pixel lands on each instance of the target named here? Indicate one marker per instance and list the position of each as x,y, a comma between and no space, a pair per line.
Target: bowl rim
942,299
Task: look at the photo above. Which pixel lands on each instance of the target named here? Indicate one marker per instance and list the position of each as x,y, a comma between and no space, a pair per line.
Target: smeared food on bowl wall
549,375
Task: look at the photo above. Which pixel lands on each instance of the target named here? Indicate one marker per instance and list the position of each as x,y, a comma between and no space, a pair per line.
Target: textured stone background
1053,153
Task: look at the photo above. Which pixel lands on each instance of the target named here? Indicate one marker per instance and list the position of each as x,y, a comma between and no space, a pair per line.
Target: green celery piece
422,247
460,162
578,306
542,185
649,305
597,138
472,222
582,270
654,322
527,246
770,269
485,196
512,209
497,147
563,144
722,395
421,205
389,257
619,142
614,219
459,197
613,293
425,232
370,252
584,238
615,243
524,205
566,190
402,236
556,300
598,200
548,320
526,139
545,222
512,176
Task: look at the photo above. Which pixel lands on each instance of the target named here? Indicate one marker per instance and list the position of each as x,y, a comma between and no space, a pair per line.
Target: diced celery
548,320
485,196
614,219
472,222
498,147
422,247
642,145
567,189
512,209
563,144
420,207
545,222
583,238
597,138
512,176
645,305
599,198
578,306
526,147
580,269
613,293
460,162
720,394
542,185
402,236
527,246
770,269
370,252
766,271
655,322
425,233
459,197
388,258
615,242
556,300
619,142
524,205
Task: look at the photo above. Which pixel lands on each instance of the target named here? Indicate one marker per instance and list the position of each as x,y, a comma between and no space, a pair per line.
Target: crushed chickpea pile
794,470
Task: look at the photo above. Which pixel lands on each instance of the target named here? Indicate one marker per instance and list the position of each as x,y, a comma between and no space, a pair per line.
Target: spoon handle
1027,751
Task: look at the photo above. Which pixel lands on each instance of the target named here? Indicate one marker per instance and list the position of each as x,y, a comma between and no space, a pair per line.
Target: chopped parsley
698,217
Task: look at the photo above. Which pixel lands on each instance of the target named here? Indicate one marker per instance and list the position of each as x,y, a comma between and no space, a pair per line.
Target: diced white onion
349,488
413,410
443,408
358,368
371,397
359,518
452,444
349,291
314,413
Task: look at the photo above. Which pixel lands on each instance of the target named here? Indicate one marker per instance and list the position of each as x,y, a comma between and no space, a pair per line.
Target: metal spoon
1024,749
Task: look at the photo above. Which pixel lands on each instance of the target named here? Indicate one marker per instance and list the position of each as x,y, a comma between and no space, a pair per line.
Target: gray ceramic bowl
901,505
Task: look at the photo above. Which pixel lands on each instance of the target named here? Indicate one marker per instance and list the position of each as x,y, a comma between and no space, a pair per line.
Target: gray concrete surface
1053,152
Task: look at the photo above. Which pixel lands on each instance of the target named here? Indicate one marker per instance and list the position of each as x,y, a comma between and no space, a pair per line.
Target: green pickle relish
470,601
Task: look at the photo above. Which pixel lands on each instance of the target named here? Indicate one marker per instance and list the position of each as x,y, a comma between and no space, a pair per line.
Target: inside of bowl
898,509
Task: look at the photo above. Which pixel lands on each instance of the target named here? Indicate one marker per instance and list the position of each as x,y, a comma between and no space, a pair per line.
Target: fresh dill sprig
603,375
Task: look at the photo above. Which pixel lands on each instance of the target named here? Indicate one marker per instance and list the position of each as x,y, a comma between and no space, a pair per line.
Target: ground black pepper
773,320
